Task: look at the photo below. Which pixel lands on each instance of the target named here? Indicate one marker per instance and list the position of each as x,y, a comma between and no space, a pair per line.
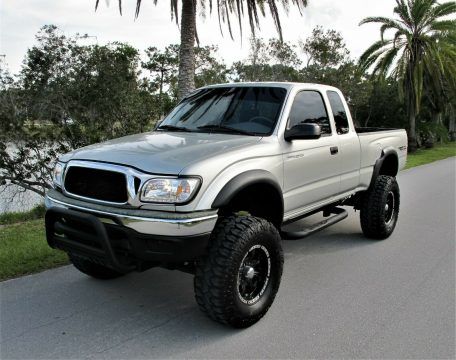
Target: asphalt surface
342,296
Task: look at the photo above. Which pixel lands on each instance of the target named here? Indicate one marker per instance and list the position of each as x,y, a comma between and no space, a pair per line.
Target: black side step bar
338,215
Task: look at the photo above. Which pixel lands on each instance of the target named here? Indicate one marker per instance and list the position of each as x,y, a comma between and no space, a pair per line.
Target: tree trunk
452,127
186,80
162,76
437,118
412,144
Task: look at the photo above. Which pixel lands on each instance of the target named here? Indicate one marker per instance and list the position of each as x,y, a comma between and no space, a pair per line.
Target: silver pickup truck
211,190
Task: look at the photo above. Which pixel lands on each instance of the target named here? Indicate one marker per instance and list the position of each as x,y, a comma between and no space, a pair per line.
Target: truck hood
161,152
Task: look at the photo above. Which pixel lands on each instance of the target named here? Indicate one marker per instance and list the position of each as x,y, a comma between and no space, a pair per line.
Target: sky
21,19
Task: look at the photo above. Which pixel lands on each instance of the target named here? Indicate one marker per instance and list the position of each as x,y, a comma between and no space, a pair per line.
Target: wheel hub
253,275
249,272
390,207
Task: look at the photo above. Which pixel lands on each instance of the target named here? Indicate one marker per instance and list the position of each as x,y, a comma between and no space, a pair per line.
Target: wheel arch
256,191
386,164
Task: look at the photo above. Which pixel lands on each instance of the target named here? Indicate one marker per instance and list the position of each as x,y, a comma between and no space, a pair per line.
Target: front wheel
380,208
237,281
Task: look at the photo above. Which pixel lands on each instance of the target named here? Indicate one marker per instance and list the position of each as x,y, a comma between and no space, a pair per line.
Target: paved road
342,296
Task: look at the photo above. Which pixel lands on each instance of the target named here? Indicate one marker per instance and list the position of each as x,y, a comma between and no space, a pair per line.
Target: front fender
242,181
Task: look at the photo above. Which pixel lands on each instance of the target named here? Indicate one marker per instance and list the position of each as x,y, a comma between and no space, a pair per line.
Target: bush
15,217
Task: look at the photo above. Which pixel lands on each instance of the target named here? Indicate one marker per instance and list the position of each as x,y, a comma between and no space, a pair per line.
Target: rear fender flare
386,153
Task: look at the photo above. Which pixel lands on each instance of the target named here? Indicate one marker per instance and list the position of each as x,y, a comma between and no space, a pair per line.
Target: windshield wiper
173,128
224,128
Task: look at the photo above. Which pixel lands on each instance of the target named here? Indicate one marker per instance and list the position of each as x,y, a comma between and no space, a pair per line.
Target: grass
426,156
23,246
14,217
24,250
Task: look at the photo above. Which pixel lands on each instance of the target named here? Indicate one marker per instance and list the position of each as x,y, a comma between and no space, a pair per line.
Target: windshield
241,110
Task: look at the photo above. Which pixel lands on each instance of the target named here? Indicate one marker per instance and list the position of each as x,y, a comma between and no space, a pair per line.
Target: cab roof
286,85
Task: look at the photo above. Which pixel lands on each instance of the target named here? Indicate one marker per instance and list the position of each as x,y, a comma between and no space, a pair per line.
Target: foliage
348,79
383,107
67,96
421,53
272,61
15,217
325,48
24,250
163,66
430,131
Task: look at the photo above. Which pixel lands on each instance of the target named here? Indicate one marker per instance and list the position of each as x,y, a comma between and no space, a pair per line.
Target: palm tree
226,9
422,45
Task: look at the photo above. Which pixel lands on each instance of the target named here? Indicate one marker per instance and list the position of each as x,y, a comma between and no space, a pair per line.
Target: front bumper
125,239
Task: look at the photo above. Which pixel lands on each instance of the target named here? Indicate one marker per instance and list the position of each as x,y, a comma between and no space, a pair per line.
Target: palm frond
376,19
385,62
420,10
392,24
397,37
443,25
364,60
445,9
238,8
422,52
402,10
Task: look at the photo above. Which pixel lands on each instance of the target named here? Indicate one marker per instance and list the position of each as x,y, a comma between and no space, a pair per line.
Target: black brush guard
116,246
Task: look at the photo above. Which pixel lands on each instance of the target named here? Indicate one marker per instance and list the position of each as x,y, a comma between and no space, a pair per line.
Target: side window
340,115
309,107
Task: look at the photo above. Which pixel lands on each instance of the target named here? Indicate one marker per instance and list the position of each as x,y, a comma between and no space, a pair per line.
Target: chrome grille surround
133,191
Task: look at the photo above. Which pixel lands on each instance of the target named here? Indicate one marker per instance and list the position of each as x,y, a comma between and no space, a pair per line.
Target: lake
23,201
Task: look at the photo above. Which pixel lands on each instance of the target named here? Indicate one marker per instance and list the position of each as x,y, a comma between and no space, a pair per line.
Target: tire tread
371,216
215,270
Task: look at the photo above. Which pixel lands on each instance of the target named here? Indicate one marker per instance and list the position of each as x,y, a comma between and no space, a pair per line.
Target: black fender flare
379,163
242,181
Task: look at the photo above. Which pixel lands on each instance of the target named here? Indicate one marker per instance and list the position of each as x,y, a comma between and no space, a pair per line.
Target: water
23,201
15,198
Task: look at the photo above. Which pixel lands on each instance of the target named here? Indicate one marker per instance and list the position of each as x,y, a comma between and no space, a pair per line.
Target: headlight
165,190
57,174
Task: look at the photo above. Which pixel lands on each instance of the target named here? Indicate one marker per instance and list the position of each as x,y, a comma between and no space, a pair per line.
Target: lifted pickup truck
210,190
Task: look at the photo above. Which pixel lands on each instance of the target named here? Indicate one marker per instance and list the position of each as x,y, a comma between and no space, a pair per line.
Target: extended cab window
340,115
250,110
309,107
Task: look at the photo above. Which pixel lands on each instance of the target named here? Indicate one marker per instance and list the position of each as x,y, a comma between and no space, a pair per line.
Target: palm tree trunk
186,80
452,126
412,144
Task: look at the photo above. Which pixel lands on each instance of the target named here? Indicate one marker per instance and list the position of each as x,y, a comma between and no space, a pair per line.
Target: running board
338,215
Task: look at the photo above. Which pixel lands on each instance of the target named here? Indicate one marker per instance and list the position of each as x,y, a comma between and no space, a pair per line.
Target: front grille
96,184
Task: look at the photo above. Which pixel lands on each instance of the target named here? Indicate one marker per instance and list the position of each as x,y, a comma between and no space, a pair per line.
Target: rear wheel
237,281
93,269
380,208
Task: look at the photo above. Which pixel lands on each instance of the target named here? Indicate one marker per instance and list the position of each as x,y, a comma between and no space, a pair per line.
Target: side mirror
303,131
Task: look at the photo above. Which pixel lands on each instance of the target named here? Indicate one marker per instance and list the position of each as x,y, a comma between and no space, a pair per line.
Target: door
349,147
311,171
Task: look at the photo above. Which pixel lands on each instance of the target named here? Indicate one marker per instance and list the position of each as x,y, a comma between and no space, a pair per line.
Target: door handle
334,150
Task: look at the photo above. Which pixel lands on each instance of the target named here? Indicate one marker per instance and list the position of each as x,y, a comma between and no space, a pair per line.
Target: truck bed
373,141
